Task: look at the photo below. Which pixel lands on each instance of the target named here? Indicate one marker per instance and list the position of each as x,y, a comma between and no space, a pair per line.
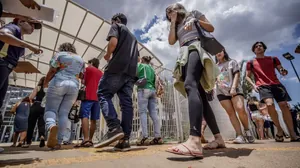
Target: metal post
295,70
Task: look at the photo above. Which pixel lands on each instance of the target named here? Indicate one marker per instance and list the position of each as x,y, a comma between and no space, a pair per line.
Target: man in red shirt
90,107
269,87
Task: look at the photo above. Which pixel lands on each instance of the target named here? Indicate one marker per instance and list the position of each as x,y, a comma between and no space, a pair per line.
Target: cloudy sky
238,24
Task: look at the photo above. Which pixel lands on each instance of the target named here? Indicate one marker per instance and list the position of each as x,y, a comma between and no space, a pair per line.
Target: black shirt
125,57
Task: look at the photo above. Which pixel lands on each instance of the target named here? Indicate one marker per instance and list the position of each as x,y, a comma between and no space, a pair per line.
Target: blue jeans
60,97
147,101
122,85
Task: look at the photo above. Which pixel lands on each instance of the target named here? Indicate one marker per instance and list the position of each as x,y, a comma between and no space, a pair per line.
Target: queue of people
199,74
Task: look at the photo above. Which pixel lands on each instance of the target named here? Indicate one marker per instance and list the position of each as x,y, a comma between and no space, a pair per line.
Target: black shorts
222,97
277,92
267,124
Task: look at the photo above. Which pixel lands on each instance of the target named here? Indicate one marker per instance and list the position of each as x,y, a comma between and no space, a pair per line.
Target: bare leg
22,137
92,129
15,139
287,118
85,129
274,116
260,128
238,104
227,105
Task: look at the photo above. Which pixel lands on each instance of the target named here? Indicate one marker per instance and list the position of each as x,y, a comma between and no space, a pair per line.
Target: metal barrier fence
168,111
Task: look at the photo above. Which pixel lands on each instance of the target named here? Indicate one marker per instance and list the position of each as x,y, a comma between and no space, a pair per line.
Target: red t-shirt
92,77
264,70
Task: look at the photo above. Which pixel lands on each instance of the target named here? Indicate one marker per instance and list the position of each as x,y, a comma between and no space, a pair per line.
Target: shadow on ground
16,162
226,152
19,150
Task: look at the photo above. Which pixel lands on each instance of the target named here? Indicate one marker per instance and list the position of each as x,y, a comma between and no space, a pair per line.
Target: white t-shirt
225,80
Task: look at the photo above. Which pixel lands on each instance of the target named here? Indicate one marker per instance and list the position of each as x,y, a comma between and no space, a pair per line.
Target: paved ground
267,154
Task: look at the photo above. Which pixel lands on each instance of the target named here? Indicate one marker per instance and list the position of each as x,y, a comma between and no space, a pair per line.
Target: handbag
143,81
209,44
81,93
74,114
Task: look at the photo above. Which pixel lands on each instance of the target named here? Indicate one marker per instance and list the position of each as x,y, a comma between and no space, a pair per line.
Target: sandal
26,146
279,138
156,141
209,146
296,140
177,151
143,142
56,147
13,145
84,144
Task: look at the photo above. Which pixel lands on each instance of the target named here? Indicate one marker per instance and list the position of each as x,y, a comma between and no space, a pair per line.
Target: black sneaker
110,137
122,145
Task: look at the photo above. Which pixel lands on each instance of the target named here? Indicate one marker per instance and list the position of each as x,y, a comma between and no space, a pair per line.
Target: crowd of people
68,75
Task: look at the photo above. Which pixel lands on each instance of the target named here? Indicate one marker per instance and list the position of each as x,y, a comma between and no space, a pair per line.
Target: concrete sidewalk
266,153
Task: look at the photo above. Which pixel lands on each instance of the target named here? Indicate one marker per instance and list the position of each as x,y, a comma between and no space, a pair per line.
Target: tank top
40,94
253,107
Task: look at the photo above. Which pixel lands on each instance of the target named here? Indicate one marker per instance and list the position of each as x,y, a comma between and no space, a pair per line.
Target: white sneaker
249,137
239,140
1,150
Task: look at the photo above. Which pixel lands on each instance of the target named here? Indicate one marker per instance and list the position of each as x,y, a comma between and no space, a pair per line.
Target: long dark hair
182,13
41,82
226,56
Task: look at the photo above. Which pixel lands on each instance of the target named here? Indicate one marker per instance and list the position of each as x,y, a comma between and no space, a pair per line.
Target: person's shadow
225,152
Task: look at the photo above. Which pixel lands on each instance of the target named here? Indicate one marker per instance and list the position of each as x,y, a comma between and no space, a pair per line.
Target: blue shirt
9,53
70,66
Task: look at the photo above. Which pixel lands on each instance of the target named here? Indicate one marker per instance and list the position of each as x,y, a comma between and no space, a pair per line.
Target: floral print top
69,66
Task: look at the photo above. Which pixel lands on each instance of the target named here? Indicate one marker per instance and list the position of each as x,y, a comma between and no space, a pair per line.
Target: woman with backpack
230,95
183,29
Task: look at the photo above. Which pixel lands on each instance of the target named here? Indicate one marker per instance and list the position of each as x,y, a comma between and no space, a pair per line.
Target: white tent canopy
73,24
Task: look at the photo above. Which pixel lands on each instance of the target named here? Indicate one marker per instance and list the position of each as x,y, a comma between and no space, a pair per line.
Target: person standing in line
21,110
183,29
66,69
269,87
256,116
90,107
12,47
230,95
147,102
119,78
36,114
294,117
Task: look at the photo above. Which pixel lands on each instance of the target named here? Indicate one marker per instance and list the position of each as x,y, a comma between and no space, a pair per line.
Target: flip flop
177,151
210,147
84,144
279,138
296,140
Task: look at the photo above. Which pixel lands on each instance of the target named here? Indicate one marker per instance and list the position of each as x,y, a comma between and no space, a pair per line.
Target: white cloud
238,24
